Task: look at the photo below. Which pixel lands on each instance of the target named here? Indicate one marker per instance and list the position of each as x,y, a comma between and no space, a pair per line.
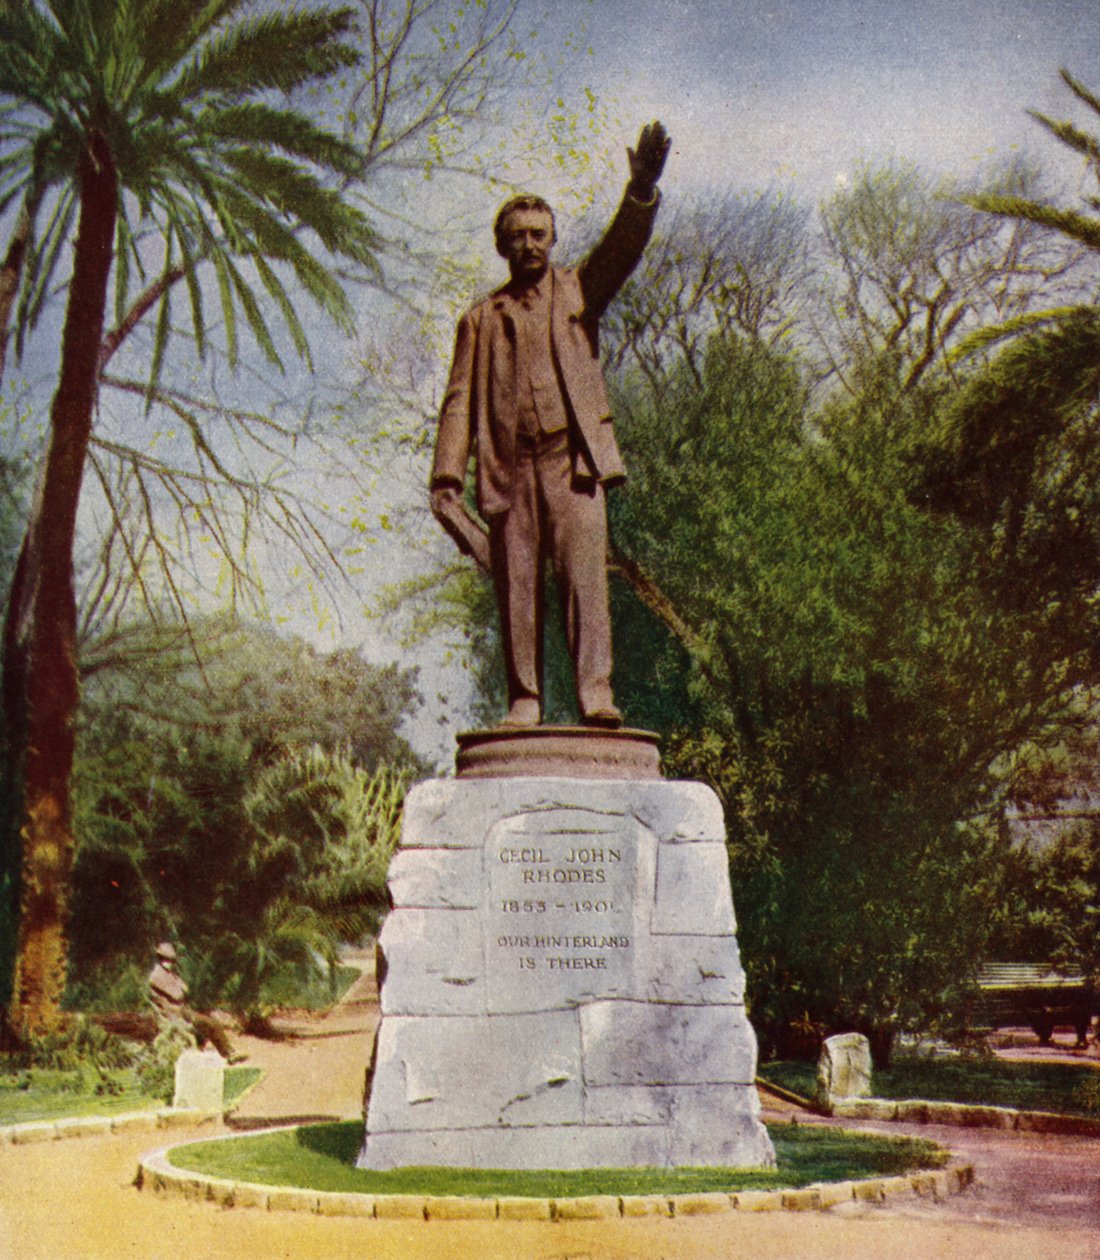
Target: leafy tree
314,876
272,691
841,665
913,265
199,821
159,110
1015,456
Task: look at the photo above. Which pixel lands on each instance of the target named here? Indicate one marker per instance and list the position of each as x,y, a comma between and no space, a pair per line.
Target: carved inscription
560,914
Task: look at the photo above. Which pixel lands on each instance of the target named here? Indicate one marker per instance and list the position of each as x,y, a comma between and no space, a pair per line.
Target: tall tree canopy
152,124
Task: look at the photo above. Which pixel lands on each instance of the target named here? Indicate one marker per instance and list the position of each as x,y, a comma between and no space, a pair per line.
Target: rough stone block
897,1188
292,1201
436,879
913,1111
334,1203
532,1146
718,1125
399,1207
81,1126
758,1200
247,1194
200,1080
134,1120
518,1209
561,921
702,1204
831,1193
679,813
456,1209
645,1205
693,890
459,1072
702,970
844,1069
27,1134
805,1200
434,963
593,1207
637,1043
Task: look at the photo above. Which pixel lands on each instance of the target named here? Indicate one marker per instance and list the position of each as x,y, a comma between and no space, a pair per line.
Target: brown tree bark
40,637
11,272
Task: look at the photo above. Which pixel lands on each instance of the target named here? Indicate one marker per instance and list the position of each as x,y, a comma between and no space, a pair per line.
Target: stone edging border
157,1174
85,1126
965,1115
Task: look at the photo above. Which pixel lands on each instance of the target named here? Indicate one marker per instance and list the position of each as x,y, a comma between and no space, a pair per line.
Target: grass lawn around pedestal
1066,1088
322,1157
53,1095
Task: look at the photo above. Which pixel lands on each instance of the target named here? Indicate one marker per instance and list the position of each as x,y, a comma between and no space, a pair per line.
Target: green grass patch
238,1081
322,1157
289,990
54,1095
1066,1088
50,1095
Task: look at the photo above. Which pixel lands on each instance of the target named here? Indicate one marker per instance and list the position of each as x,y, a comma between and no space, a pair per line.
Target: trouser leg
515,548
576,525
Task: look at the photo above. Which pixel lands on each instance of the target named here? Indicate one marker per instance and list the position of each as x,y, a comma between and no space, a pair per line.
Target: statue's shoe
607,718
524,712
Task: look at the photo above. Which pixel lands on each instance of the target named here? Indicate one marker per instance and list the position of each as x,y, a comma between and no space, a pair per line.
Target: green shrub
156,1065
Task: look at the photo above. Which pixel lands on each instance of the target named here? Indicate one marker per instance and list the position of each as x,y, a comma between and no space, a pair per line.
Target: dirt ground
74,1199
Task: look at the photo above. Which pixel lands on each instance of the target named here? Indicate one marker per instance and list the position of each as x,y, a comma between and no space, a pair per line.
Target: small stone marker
200,1081
562,982
844,1069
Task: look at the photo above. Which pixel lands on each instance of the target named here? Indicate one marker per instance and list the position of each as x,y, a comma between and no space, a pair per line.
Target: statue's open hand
647,161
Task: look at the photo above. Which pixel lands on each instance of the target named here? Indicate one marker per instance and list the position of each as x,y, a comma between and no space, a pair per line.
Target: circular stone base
571,752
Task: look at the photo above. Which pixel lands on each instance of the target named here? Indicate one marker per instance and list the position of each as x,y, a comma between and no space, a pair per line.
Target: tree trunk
40,639
10,274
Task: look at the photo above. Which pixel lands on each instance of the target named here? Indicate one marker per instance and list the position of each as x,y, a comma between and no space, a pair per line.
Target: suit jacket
479,408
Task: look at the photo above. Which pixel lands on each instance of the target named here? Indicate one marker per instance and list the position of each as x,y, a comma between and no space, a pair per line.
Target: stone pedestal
561,982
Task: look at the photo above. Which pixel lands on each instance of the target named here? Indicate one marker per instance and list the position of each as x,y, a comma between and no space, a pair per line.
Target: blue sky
793,91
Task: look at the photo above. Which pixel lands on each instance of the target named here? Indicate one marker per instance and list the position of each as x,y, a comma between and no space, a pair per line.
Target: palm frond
1069,135
341,228
1029,321
160,338
229,310
273,50
266,235
275,288
989,437
194,290
254,315
170,29
254,123
42,262
1080,91
1078,226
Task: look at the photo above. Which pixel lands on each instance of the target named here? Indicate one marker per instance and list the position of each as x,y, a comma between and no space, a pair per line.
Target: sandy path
73,1200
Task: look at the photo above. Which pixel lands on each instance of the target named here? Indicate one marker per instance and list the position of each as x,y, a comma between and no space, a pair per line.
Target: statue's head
525,234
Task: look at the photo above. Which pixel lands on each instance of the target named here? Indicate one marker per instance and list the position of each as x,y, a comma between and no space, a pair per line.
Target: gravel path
73,1200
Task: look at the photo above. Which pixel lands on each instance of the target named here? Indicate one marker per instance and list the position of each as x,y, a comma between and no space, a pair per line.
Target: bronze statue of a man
527,394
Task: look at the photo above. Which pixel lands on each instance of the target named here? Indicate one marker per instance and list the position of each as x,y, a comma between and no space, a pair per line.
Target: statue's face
526,241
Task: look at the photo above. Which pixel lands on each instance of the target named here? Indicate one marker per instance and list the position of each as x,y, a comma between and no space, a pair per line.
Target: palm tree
986,460
153,124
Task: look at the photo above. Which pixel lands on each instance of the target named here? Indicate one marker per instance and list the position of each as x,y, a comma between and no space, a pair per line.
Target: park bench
1037,995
